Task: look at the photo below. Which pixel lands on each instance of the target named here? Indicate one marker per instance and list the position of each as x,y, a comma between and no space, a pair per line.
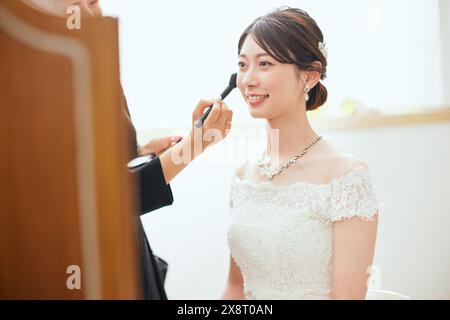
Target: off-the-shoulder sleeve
353,195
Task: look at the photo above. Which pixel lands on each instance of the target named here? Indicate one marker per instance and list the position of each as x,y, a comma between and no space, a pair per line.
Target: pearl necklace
270,173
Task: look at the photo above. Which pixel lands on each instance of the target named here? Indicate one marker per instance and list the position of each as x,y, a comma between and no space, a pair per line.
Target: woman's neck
287,135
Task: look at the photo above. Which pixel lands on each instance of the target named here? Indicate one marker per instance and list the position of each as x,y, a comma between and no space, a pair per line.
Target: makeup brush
231,86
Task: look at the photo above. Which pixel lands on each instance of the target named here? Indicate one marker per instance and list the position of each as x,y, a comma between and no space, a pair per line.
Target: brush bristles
233,79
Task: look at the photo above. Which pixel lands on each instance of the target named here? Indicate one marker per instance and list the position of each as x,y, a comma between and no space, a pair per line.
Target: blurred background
389,98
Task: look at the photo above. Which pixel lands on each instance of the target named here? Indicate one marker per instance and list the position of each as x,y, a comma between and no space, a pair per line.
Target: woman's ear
310,77
302,77
314,76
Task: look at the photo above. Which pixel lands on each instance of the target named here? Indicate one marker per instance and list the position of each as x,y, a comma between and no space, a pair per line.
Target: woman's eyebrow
242,55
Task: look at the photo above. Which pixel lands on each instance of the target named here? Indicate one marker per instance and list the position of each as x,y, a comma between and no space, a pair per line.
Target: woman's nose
250,79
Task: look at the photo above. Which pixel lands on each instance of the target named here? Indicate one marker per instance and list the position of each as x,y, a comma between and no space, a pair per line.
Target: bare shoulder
344,163
242,170
337,162
248,171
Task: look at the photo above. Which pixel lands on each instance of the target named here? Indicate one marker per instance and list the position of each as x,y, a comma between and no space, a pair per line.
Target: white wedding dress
281,236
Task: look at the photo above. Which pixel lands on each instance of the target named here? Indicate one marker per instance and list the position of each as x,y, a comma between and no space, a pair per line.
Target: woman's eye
264,64
241,64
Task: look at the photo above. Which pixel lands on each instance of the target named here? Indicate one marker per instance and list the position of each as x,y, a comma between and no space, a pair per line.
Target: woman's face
269,87
88,8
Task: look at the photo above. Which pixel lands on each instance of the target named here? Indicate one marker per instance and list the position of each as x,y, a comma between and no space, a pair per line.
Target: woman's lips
256,100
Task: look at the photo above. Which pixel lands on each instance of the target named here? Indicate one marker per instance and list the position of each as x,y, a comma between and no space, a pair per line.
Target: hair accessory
323,48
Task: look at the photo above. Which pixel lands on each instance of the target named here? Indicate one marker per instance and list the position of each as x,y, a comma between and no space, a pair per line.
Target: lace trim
344,197
269,184
351,196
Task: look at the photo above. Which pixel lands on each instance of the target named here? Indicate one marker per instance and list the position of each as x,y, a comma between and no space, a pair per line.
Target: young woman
304,218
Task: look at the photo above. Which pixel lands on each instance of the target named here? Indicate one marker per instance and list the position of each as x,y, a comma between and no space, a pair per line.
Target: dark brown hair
291,36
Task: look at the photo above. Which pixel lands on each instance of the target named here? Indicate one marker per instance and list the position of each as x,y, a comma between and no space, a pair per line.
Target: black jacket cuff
153,191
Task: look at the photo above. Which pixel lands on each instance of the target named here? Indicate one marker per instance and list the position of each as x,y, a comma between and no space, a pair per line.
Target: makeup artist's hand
159,145
215,128
218,123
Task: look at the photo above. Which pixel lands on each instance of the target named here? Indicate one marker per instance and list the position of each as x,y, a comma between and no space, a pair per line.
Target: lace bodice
281,236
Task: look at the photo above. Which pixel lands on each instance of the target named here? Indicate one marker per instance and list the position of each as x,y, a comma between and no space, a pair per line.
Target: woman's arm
354,246
155,176
215,128
235,284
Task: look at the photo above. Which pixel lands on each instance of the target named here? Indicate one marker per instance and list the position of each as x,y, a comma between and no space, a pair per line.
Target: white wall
384,53
410,170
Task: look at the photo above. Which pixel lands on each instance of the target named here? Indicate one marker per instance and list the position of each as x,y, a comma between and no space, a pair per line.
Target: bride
304,219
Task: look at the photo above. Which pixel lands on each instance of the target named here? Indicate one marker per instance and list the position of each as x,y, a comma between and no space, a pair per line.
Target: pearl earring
307,89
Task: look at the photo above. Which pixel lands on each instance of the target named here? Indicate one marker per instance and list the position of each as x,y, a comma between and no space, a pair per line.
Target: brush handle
223,95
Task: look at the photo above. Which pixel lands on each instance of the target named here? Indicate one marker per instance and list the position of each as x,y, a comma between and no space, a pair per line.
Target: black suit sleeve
153,191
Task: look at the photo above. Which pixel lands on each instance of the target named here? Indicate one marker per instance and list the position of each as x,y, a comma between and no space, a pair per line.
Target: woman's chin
259,113
258,116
